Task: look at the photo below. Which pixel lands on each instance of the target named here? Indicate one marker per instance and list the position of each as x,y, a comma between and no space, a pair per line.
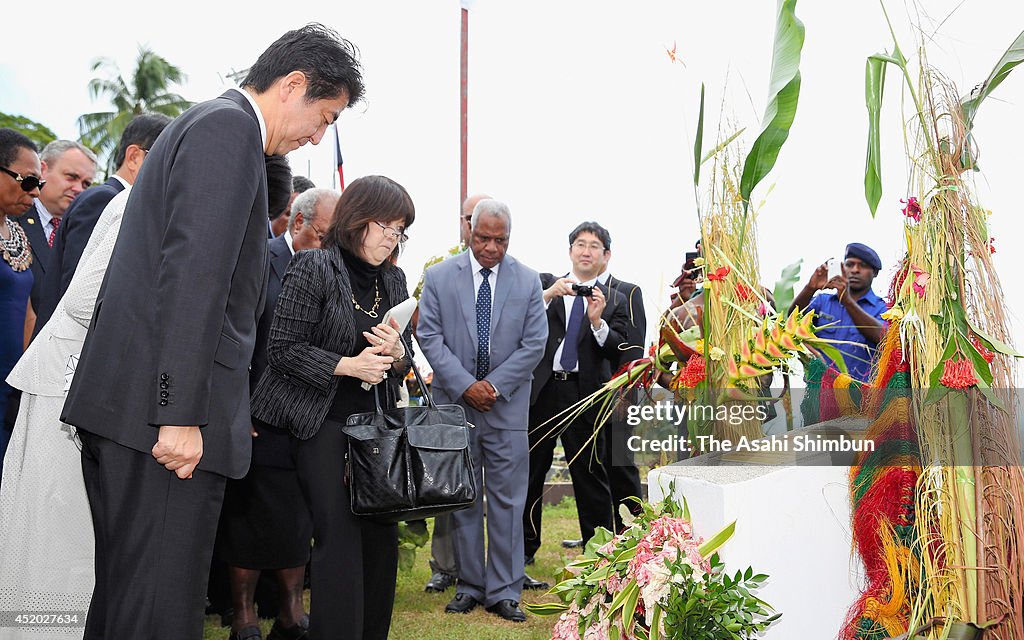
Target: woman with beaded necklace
21,182
328,338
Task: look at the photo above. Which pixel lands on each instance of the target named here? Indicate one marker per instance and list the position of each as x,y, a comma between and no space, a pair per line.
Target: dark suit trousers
623,476
589,476
355,560
154,541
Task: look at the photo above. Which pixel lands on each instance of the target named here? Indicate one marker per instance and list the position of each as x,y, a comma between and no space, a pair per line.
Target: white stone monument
792,523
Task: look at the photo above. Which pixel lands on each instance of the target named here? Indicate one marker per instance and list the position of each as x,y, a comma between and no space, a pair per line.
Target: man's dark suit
33,226
170,343
271,447
550,396
623,476
69,243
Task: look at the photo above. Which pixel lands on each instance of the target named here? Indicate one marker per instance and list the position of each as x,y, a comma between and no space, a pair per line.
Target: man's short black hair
301,183
142,131
330,62
596,229
10,142
279,185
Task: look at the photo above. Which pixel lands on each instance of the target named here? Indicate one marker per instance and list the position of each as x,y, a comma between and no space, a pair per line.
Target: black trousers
154,541
623,476
355,560
589,476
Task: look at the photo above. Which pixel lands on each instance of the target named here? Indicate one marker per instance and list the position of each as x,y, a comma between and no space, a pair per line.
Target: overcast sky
577,113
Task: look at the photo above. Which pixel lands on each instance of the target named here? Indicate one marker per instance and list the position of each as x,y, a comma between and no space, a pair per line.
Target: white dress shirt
259,116
600,334
478,279
288,241
45,218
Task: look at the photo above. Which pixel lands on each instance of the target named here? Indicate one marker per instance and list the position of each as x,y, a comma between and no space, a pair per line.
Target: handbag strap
416,372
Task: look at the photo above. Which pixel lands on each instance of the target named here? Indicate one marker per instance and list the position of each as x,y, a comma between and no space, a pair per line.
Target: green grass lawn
420,616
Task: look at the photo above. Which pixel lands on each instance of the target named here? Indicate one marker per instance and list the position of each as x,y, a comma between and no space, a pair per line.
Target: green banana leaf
699,141
785,288
1013,57
783,95
874,83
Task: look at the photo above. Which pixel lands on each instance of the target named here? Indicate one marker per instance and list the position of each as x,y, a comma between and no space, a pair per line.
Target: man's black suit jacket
636,330
33,226
272,447
174,327
595,361
69,243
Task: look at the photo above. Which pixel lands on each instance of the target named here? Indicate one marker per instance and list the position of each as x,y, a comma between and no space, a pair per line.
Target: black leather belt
565,375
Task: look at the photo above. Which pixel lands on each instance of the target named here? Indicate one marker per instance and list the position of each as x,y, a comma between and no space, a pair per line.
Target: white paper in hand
401,314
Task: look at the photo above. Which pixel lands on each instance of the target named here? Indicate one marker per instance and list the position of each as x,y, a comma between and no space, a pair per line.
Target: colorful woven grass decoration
882,499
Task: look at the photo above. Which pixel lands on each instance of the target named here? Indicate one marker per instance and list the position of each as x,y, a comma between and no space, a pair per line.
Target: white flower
656,589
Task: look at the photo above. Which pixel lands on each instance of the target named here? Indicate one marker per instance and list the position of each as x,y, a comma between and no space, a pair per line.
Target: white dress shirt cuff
600,333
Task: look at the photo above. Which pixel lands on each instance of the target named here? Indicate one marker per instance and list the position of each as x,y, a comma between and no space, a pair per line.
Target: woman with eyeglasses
19,162
328,338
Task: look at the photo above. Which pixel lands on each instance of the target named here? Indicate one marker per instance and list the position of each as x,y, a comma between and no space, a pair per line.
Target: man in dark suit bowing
163,373
80,218
586,326
623,475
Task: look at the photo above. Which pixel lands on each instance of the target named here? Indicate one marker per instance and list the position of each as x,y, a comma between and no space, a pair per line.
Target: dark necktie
570,347
53,232
483,326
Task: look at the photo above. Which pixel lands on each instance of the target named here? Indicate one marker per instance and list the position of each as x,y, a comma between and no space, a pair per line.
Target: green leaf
717,540
546,608
656,623
874,84
986,391
699,139
835,354
629,611
722,145
783,95
1013,57
995,345
785,287
600,538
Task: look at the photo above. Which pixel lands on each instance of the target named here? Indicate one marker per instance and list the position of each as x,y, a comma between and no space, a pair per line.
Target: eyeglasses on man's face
28,183
393,233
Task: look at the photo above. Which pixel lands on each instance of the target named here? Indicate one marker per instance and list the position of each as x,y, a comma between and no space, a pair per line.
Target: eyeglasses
391,232
28,183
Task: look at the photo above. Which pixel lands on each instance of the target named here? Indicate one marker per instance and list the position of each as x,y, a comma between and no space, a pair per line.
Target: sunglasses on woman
28,183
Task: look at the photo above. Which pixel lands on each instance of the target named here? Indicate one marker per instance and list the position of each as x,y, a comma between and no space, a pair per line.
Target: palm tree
146,92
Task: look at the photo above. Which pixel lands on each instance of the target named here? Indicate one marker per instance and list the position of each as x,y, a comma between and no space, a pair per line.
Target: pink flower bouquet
656,579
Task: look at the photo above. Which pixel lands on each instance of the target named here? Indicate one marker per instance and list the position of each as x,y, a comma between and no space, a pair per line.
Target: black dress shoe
295,632
247,633
573,544
461,603
509,610
439,582
529,560
530,583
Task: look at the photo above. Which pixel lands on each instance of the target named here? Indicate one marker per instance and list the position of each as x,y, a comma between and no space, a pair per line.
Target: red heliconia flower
913,208
958,374
992,245
693,373
719,274
743,292
982,349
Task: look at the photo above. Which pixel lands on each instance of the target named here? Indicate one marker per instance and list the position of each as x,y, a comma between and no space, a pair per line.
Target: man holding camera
587,323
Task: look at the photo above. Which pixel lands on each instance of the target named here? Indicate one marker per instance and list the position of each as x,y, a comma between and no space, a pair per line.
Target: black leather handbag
409,463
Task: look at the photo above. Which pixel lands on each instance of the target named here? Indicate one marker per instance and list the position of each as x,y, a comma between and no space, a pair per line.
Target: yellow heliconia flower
698,262
698,346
